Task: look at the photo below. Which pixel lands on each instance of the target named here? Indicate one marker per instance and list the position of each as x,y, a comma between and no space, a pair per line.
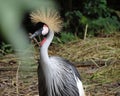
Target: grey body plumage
60,80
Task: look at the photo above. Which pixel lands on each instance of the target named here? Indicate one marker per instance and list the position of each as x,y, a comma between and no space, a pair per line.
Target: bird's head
42,31
50,18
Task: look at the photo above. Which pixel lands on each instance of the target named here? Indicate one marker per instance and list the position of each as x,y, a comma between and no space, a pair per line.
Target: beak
38,32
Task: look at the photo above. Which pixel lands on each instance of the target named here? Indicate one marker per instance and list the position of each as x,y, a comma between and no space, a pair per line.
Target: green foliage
11,15
96,8
64,38
100,17
106,25
96,14
72,16
6,49
74,22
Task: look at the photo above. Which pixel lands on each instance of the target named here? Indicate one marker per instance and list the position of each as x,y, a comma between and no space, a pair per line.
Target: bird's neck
44,48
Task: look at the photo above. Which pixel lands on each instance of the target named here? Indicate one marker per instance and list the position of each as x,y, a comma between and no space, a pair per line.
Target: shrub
6,49
96,14
64,37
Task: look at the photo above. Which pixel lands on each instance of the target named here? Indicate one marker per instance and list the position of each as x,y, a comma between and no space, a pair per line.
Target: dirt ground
98,62
12,84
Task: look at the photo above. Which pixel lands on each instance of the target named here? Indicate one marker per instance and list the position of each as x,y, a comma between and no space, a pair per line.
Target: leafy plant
100,17
96,8
6,48
64,38
72,21
107,25
97,15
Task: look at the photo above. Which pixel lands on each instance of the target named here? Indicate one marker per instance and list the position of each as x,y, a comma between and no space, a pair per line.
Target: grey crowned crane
56,76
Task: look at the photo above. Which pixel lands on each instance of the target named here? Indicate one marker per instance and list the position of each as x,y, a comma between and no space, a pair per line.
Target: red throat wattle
43,41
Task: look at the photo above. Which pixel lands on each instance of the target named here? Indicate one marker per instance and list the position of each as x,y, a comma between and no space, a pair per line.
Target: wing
60,80
63,78
68,64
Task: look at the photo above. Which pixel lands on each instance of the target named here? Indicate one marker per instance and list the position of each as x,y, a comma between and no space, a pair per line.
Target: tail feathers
80,87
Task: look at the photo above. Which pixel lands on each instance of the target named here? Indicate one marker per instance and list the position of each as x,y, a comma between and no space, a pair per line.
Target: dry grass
100,79
95,48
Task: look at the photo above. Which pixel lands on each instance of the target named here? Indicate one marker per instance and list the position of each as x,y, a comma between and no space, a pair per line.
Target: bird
56,75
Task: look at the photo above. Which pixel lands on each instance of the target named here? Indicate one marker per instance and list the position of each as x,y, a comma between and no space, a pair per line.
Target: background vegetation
100,18
90,38
81,18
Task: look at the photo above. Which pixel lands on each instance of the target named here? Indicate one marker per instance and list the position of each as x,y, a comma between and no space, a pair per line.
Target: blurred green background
101,17
11,16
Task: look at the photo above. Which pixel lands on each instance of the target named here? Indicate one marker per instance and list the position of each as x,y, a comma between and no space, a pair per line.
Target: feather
50,17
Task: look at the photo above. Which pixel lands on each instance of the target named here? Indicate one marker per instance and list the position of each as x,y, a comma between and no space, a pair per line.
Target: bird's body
56,76
63,79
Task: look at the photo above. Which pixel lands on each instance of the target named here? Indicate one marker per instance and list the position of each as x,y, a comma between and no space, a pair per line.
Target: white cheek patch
45,30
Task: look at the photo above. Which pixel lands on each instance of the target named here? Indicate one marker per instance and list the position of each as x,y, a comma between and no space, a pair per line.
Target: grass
95,48
107,74
101,54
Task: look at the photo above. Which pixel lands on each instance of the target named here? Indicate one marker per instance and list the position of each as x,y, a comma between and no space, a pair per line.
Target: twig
86,27
17,76
95,63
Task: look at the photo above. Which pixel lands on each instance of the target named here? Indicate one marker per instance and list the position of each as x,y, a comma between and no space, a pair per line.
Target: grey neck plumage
44,49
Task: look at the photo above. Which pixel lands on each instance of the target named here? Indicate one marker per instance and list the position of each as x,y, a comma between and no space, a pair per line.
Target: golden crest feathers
50,17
